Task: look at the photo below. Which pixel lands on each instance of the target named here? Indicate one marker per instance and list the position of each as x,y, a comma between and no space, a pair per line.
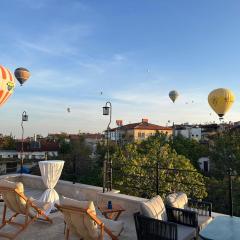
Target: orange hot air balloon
22,75
7,84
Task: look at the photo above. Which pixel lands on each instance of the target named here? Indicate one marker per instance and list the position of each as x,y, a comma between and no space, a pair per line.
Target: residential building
188,131
136,131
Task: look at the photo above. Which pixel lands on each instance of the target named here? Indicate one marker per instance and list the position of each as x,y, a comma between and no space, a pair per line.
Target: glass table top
222,228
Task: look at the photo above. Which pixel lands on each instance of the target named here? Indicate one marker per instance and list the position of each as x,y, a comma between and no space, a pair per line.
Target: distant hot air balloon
7,84
173,95
22,75
221,100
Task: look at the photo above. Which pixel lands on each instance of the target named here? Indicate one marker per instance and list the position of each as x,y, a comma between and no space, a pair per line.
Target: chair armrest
182,216
202,207
150,228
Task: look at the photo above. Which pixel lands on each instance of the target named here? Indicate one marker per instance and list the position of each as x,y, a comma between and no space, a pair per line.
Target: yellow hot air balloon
173,95
221,100
7,84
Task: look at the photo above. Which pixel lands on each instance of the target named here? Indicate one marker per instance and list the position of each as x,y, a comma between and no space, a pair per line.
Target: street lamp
231,173
107,110
24,119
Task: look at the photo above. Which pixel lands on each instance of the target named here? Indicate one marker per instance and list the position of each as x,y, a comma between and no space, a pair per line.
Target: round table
51,172
222,228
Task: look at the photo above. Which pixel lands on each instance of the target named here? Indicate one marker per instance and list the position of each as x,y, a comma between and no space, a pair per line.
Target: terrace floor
44,231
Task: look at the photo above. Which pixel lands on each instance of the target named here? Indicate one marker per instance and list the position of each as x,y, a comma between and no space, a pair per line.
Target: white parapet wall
80,191
130,203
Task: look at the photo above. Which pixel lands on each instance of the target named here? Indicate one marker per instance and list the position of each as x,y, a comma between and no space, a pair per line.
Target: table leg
117,216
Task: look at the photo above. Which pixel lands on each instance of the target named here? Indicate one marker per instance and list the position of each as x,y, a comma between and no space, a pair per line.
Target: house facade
136,131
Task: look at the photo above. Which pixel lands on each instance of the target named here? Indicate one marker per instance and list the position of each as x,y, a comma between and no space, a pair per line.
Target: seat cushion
12,199
203,221
80,222
185,232
177,200
46,207
154,208
14,185
116,227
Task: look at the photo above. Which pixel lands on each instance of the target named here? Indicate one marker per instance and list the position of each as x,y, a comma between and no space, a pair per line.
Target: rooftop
34,187
142,125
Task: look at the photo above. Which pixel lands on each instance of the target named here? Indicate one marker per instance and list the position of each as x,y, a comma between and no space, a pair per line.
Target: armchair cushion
177,200
116,227
154,208
185,232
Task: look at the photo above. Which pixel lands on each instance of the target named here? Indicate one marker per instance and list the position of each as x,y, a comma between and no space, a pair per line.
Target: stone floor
40,230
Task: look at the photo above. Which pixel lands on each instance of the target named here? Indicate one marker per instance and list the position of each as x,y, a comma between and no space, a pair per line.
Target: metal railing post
157,178
104,175
230,172
74,169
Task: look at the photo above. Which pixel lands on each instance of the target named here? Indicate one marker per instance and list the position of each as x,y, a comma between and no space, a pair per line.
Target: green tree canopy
137,172
190,148
225,153
8,143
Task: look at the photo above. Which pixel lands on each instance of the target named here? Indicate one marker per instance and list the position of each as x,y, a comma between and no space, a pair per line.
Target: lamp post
231,173
24,119
107,110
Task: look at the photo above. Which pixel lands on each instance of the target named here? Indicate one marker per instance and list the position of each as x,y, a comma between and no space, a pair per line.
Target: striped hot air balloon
7,84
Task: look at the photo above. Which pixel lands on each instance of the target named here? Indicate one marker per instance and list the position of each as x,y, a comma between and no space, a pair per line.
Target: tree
190,148
8,143
137,173
225,153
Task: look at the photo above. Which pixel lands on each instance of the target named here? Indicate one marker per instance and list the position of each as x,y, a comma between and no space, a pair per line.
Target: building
136,131
188,131
37,149
204,164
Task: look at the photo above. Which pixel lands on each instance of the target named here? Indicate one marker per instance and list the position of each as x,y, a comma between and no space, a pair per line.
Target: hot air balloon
7,84
173,95
22,75
221,100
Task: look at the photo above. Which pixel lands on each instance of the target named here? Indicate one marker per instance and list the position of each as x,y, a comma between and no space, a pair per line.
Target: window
139,135
143,135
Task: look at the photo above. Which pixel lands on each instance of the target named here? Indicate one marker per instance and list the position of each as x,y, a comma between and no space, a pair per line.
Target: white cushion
80,222
115,227
185,232
154,208
177,200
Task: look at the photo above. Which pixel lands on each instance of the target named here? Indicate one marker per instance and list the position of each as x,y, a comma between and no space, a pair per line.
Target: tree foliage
225,153
190,148
8,143
136,172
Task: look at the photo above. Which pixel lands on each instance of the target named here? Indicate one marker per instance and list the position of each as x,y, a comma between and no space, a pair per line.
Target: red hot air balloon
7,84
22,75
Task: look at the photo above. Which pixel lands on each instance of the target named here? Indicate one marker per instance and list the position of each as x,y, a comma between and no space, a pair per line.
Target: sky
134,52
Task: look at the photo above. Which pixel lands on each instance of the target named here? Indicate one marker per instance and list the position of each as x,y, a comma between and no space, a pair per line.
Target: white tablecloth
51,172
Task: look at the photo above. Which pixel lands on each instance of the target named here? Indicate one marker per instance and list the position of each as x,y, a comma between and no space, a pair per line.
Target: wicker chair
157,222
204,209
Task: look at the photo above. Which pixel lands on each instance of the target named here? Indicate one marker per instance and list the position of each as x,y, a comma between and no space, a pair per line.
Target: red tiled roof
143,126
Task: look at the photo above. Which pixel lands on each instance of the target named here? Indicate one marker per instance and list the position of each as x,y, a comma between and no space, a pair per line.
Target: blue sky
134,52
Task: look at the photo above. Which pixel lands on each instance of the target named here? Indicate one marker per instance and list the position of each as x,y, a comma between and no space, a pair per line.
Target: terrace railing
149,180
